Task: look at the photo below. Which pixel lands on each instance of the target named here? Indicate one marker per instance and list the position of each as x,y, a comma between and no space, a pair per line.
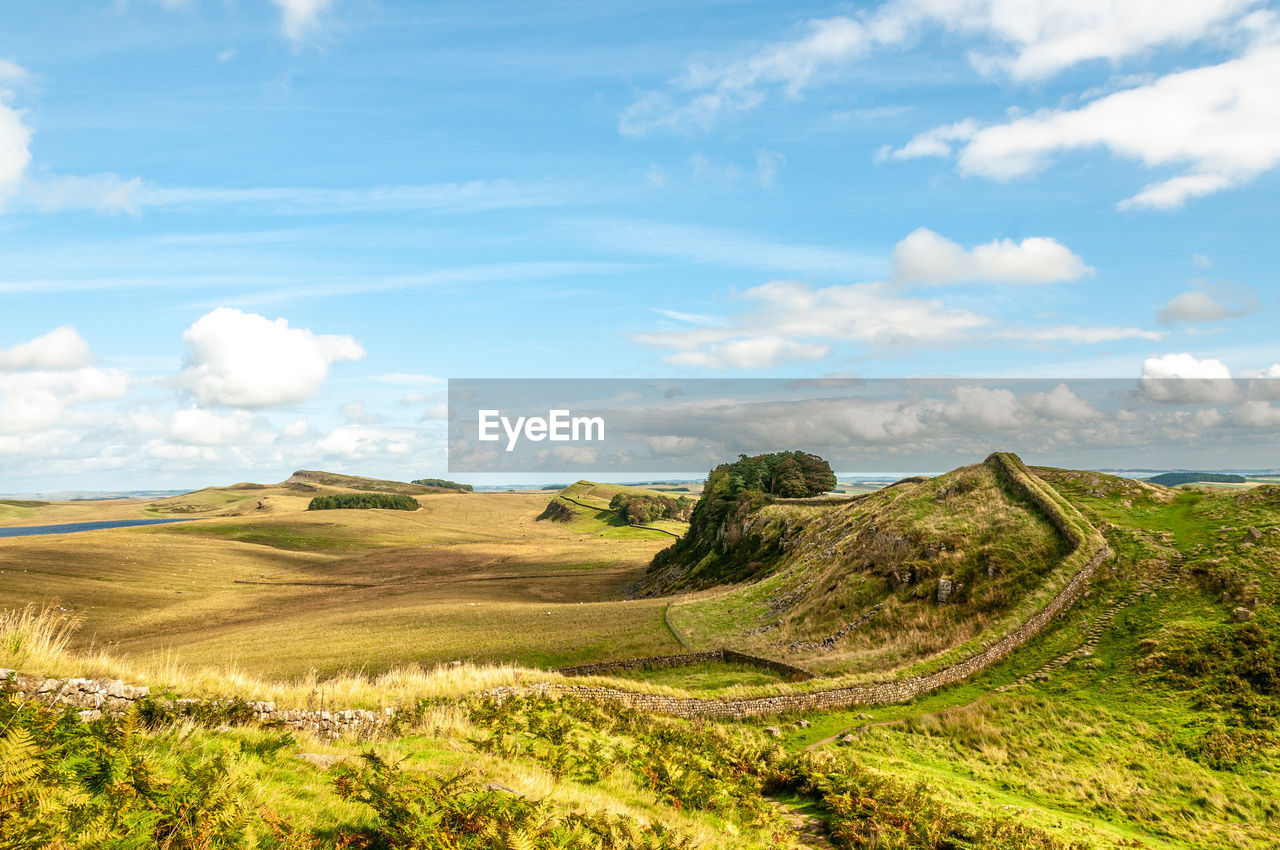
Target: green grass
710,675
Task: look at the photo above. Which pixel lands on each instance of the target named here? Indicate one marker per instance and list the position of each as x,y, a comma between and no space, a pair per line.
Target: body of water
71,527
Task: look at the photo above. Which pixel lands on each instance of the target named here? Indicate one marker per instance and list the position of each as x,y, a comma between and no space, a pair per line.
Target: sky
239,237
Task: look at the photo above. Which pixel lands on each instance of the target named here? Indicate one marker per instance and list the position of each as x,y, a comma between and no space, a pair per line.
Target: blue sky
241,237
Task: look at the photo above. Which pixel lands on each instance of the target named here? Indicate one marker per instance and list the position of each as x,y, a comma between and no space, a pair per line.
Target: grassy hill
584,508
1147,715
920,568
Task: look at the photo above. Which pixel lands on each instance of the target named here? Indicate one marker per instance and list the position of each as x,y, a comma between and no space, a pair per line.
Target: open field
264,585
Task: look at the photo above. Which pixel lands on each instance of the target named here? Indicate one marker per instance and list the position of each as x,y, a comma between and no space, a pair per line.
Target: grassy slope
966,526
1107,747
278,590
589,502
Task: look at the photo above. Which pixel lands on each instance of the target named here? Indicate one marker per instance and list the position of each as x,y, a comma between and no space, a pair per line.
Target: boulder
773,731
1242,615
944,590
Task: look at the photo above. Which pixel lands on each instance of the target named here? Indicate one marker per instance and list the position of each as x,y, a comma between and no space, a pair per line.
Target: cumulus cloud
1183,378
241,359
1220,123
925,257
61,348
33,400
15,137
1031,39
1257,414
1061,405
300,19
195,426
1199,305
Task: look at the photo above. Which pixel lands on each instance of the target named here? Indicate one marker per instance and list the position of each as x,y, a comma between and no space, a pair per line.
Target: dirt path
809,829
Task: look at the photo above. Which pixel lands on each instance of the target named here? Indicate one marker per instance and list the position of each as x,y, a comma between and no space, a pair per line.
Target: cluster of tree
387,501
443,483
1176,479
791,475
716,549
638,509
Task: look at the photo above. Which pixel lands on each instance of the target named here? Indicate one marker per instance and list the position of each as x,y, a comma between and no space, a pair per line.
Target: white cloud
354,412
1221,123
925,257
59,349
300,19
751,353
1042,37
983,408
1201,261
1256,414
195,426
35,400
1061,405
15,140
791,321
245,360
1183,378
1028,39
1201,306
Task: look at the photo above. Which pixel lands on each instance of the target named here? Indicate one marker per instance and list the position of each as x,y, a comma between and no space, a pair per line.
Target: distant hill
443,484
1177,479
356,482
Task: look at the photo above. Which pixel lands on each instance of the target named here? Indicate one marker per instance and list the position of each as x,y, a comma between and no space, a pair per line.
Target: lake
71,527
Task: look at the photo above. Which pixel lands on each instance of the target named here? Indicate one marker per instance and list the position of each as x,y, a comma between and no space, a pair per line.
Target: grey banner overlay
918,424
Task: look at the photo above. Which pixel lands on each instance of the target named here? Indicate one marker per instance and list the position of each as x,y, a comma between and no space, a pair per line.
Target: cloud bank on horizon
261,250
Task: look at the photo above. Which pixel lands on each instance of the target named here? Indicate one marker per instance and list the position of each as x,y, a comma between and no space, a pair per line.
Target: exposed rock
773,731
944,590
802,724
848,738
1253,533
1242,615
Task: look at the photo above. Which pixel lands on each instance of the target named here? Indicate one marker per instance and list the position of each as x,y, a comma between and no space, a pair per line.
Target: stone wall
95,697
688,659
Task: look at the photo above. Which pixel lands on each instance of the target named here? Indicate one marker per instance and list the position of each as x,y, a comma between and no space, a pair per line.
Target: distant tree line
387,501
1175,479
639,509
443,483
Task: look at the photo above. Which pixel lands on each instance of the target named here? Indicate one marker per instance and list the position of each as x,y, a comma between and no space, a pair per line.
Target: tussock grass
35,637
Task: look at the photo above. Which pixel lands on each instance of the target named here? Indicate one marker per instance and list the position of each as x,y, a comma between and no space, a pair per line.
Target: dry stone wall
95,697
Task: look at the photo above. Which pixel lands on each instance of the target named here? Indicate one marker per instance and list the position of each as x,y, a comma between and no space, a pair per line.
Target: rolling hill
1144,713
